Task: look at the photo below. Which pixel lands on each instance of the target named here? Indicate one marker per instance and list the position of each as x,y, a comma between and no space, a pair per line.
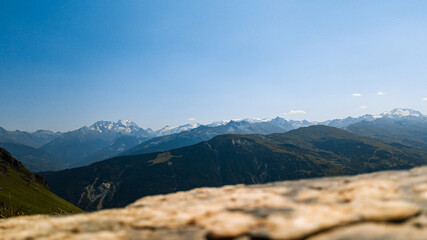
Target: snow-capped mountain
406,127
218,123
167,130
341,123
249,120
206,132
395,114
77,145
106,139
125,127
399,113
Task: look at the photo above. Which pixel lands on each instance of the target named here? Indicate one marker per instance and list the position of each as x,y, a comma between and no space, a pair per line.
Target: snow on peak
122,126
218,123
249,120
257,120
399,113
167,130
100,126
126,123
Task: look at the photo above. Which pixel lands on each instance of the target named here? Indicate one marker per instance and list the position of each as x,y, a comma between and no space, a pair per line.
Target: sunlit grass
19,196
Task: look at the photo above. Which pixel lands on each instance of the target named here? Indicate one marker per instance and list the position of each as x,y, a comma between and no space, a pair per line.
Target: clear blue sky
65,64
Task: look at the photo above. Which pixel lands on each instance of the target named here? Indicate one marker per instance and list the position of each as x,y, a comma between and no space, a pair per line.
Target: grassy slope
22,193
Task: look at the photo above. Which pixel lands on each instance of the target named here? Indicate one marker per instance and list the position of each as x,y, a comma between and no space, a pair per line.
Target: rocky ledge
382,205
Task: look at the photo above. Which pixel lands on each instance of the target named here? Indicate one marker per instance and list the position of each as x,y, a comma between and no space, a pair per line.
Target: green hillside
25,193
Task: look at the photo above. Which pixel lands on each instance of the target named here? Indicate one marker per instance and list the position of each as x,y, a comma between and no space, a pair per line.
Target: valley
112,164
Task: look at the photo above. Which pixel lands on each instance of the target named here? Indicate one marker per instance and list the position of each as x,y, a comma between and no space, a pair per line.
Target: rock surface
382,205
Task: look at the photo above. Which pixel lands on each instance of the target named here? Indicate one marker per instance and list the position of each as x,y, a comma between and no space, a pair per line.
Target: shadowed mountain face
73,147
76,145
122,146
204,133
35,139
315,151
277,125
106,139
24,146
408,132
22,192
36,160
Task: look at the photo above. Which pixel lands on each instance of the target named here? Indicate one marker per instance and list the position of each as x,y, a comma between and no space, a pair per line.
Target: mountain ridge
23,193
36,160
106,139
314,151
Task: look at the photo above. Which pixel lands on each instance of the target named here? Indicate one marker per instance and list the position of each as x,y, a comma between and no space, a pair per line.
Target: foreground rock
383,205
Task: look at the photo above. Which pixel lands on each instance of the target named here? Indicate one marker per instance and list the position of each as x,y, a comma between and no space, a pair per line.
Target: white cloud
191,119
380,93
295,112
425,99
363,107
357,95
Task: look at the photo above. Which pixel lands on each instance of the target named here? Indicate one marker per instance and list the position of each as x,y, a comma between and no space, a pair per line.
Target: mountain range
34,139
106,139
314,151
142,162
404,127
204,133
74,146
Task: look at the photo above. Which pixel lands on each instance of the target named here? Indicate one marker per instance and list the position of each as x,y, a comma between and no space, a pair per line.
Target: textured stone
383,205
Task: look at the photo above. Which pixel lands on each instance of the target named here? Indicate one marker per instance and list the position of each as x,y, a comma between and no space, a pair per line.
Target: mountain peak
126,123
400,113
123,126
257,120
167,130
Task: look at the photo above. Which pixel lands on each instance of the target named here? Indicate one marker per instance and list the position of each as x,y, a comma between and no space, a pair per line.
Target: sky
66,64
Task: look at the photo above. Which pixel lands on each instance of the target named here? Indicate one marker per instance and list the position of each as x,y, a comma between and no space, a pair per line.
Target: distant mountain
400,113
204,133
257,126
249,120
36,160
75,146
395,114
106,139
168,130
397,126
126,142
121,127
34,139
120,145
314,151
342,123
23,193
102,140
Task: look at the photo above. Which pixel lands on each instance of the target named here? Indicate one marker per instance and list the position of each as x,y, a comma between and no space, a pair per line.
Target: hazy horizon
64,65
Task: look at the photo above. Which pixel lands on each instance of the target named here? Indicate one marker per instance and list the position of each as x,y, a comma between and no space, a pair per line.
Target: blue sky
65,64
